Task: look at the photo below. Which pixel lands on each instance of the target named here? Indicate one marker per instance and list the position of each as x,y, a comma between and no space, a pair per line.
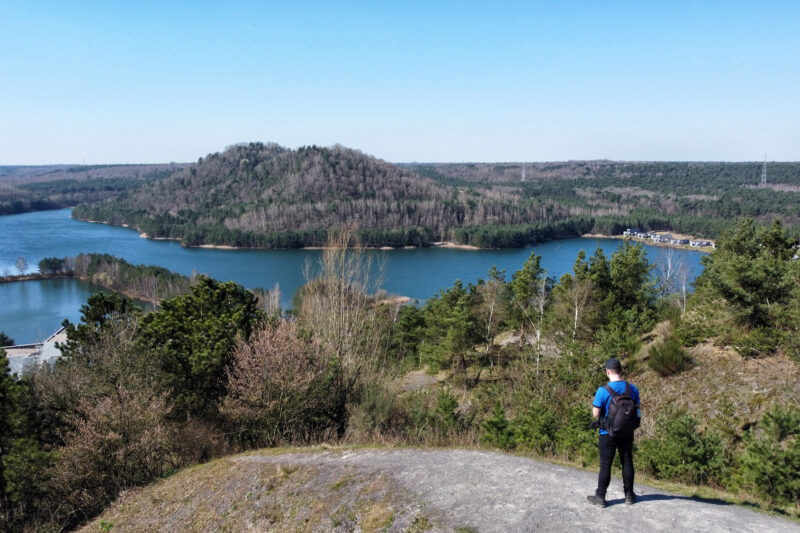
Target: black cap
613,364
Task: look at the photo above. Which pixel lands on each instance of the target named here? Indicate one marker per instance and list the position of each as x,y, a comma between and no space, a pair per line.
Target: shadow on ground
641,498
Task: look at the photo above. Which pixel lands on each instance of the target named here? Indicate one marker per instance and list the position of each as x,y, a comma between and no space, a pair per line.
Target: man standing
617,405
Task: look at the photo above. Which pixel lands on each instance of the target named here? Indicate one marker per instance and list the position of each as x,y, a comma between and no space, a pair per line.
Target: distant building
24,357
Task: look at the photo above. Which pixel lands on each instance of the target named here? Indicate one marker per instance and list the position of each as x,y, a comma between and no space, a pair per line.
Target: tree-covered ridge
680,176
24,189
268,196
687,196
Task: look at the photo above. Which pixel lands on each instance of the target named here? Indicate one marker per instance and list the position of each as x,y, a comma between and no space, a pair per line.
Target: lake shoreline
34,277
416,273
86,279
143,235
439,244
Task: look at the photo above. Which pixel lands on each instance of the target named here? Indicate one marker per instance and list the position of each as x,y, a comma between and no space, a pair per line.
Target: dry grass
234,495
720,381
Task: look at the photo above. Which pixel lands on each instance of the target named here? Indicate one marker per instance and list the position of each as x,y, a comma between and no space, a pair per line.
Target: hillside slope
407,490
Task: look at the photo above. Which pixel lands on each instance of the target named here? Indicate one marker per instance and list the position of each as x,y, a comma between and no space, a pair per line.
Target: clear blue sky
124,82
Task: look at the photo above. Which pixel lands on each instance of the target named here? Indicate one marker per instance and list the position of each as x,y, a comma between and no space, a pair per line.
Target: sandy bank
445,244
395,300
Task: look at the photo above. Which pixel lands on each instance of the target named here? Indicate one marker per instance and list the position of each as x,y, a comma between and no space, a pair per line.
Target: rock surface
492,492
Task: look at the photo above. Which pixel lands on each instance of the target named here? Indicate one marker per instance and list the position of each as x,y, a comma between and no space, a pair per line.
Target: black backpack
622,418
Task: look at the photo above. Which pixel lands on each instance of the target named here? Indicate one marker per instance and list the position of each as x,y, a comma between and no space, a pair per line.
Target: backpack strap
615,394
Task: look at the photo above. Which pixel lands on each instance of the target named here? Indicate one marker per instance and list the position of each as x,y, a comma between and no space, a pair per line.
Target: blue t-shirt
602,398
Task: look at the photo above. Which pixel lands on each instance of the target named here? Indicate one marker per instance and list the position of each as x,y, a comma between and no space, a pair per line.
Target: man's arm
599,399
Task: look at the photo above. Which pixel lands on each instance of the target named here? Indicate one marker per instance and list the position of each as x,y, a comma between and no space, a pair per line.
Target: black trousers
608,447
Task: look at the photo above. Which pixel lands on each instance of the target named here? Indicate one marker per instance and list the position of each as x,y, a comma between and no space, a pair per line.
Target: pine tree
10,421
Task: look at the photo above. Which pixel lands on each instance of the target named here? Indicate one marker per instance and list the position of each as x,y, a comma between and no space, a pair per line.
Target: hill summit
407,490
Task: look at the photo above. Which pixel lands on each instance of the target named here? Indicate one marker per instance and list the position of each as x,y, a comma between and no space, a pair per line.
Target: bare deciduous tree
532,308
22,265
491,293
269,301
683,279
573,309
579,293
277,388
669,264
119,441
339,305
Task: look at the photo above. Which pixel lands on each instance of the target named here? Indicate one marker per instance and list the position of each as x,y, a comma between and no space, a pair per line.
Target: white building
23,357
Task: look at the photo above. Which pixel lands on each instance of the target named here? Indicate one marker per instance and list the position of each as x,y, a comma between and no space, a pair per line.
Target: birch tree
530,290
669,265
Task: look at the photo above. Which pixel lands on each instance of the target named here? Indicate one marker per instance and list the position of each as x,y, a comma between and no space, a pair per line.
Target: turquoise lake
34,309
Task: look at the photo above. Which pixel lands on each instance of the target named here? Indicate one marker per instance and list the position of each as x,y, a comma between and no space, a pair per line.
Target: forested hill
264,195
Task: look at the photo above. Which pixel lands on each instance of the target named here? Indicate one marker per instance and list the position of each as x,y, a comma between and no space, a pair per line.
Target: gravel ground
487,492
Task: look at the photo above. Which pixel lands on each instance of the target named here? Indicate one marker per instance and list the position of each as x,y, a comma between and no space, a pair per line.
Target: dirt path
467,490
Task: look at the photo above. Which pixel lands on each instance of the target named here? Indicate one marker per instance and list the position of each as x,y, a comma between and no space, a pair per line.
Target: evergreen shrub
683,452
497,430
668,358
689,333
445,416
770,463
758,342
535,429
574,438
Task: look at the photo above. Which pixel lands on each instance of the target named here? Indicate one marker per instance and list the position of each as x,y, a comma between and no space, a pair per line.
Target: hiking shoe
599,501
630,498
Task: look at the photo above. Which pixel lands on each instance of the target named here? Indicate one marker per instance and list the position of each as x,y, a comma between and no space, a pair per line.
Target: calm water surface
32,309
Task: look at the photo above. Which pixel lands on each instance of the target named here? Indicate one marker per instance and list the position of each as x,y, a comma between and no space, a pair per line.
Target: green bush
574,439
791,345
668,358
377,412
758,342
416,409
497,430
689,332
682,452
445,416
428,417
770,463
535,429
616,342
